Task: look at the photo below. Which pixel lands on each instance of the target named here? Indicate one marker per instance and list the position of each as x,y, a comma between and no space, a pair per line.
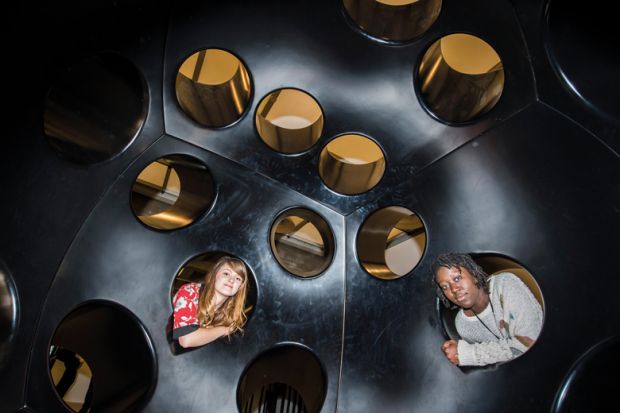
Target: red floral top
185,303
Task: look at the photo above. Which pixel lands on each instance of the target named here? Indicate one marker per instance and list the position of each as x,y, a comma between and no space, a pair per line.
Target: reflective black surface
9,313
589,385
535,179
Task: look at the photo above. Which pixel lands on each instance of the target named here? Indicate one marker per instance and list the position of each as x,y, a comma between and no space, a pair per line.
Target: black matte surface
536,179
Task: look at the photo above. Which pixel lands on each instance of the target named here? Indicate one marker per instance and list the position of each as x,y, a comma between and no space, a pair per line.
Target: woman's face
459,286
227,282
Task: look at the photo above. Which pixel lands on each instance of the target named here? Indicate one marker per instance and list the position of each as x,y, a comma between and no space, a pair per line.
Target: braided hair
458,260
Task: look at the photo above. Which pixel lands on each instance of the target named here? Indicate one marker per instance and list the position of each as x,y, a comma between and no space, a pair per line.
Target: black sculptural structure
533,176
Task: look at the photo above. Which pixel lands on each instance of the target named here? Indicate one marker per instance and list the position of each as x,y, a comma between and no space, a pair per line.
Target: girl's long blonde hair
230,313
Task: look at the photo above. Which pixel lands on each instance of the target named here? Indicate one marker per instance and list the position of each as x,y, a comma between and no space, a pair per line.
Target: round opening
213,87
285,375
581,44
393,20
460,78
191,280
196,270
101,357
302,242
391,242
172,192
72,378
8,314
351,164
95,109
530,296
587,387
289,120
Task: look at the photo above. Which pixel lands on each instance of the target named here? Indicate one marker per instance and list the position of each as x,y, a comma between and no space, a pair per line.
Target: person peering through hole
204,313
499,317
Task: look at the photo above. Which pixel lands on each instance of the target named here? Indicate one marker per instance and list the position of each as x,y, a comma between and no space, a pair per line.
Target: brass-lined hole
393,20
72,378
289,120
102,356
172,192
460,77
495,264
391,242
351,164
95,109
213,87
288,374
302,242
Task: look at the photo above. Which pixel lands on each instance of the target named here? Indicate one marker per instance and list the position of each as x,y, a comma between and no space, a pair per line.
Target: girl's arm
202,336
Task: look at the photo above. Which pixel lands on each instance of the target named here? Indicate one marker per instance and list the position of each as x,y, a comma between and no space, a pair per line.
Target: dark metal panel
46,198
537,189
572,56
117,258
362,85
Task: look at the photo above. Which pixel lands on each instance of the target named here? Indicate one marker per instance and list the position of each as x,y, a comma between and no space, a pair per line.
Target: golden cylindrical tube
393,20
460,77
213,87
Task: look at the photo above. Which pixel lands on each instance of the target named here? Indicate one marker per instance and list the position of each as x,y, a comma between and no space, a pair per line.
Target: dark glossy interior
535,179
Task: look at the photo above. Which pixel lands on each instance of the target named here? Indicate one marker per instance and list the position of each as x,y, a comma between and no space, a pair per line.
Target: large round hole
193,276
351,164
302,242
460,78
391,242
108,340
492,265
289,120
172,192
8,314
72,378
213,87
393,20
95,109
588,386
286,375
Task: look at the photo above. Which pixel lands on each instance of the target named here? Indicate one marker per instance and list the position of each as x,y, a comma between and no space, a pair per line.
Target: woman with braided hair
499,317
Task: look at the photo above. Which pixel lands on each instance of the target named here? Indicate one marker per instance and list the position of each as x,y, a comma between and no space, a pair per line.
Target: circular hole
391,242
194,278
72,378
95,109
351,164
8,314
393,20
581,41
114,346
587,386
213,87
289,120
302,242
287,374
460,77
172,192
517,304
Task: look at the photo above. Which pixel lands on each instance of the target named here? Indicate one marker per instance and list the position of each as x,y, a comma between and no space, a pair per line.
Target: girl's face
227,282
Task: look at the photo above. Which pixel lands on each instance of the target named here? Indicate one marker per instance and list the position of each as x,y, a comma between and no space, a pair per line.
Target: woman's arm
521,325
202,336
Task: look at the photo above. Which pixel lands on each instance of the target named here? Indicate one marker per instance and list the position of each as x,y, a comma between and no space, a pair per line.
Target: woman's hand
450,349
